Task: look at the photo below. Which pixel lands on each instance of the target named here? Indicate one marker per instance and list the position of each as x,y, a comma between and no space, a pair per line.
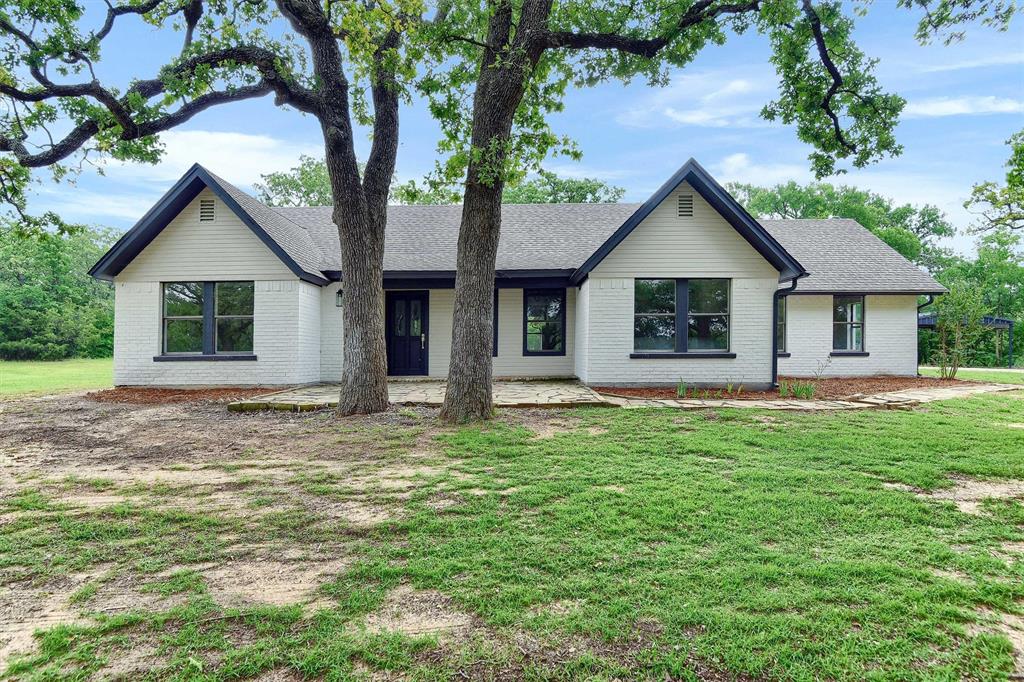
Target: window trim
209,319
863,324
561,293
682,346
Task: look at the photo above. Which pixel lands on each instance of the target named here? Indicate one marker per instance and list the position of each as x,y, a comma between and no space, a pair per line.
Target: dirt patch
24,610
552,427
133,662
279,583
969,493
836,388
1010,626
165,396
419,612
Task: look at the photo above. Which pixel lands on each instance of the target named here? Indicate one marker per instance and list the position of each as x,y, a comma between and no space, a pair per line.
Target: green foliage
910,230
958,325
307,184
50,308
1002,206
549,188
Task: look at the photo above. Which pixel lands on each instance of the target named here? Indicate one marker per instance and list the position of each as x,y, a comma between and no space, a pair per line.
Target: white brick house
215,288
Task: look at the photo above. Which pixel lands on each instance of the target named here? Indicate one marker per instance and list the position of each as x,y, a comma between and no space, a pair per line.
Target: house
215,288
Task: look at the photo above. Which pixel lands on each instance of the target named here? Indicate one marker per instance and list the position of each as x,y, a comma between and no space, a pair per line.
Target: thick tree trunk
499,91
360,207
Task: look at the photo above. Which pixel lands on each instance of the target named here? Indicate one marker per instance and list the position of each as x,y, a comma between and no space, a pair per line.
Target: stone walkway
506,394
572,394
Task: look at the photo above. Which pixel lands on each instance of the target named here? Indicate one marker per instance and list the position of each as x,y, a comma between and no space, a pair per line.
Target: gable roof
537,240
844,257
698,178
286,240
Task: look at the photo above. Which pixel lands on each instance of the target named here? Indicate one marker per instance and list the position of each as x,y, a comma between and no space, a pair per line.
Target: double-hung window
544,322
207,318
847,324
681,316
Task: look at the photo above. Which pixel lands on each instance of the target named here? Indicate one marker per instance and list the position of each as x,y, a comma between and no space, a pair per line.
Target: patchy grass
18,378
623,544
991,375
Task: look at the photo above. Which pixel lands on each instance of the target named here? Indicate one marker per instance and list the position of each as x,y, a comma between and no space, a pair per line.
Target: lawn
37,377
193,543
993,375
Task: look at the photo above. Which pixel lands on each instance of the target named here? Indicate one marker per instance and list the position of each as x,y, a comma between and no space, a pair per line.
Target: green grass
640,544
981,375
19,378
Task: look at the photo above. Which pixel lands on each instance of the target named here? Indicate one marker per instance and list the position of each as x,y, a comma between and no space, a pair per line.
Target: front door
406,313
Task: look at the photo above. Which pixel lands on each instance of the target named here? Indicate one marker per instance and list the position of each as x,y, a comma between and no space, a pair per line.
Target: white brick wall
890,337
277,319
582,345
610,312
330,334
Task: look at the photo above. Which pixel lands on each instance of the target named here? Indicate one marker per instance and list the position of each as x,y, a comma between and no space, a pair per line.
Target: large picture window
848,323
208,318
681,316
544,322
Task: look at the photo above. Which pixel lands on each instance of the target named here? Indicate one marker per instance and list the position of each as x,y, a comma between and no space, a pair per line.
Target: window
657,322
183,317
848,323
208,318
780,325
494,328
544,322
654,315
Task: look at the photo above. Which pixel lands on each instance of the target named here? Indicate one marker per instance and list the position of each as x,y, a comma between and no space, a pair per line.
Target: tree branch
837,78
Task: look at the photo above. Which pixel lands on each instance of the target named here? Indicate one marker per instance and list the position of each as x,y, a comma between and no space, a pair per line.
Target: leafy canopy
913,231
1002,206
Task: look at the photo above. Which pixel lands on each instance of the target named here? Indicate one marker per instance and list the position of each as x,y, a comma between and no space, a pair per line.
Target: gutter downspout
775,326
931,299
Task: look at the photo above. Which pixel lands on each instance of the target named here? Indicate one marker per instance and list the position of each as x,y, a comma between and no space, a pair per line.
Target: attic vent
206,212
685,205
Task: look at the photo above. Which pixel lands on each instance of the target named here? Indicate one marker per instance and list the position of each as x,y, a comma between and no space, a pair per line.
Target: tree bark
360,206
499,91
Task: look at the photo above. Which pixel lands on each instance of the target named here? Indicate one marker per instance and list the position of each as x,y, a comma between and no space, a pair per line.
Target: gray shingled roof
842,256
533,236
839,254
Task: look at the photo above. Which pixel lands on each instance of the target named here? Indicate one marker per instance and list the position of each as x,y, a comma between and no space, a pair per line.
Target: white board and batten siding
286,338
890,337
667,245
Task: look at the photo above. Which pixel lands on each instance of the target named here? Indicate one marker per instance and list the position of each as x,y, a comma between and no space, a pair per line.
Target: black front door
406,332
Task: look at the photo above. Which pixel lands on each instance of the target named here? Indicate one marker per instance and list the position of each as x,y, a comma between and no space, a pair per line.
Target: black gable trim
170,205
692,172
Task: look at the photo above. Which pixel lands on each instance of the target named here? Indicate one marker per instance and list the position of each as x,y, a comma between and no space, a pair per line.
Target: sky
963,101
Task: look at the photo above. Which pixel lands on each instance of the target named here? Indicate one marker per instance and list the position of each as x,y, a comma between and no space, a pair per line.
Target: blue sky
964,100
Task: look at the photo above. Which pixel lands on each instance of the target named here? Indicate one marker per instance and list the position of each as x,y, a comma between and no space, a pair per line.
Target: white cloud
1001,59
578,171
76,204
740,168
958,106
711,99
239,158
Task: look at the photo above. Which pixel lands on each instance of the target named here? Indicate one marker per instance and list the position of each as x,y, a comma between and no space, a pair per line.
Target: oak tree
344,62
518,58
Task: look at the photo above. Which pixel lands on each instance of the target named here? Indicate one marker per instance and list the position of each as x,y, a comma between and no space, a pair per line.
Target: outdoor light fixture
337,299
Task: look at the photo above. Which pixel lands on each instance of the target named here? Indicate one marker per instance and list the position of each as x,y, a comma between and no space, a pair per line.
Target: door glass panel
399,318
415,318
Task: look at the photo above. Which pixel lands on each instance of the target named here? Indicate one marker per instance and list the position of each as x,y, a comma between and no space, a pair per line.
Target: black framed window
659,324
780,325
654,315
848,323
208,318
494,327
544,322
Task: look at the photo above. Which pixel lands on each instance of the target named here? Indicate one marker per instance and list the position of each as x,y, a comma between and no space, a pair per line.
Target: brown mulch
825,389
163,396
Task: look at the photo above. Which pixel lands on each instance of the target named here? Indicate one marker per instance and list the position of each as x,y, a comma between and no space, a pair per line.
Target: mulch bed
825,389
163,396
